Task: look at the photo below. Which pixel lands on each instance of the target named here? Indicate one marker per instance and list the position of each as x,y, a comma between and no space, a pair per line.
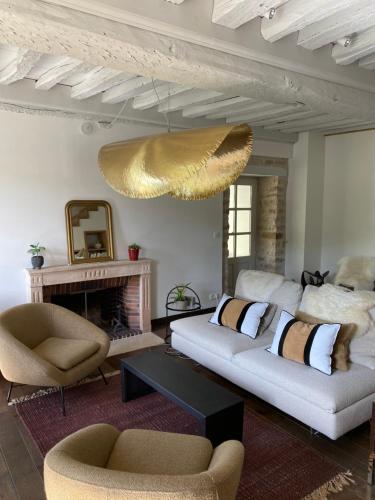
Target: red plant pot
133,253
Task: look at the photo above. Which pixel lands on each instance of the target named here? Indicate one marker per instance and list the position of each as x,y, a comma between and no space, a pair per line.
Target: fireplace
111,304
115,296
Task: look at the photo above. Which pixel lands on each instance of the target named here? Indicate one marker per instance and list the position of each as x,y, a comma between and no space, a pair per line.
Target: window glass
243,196
232,196
231,246
243,245
231,221
243,221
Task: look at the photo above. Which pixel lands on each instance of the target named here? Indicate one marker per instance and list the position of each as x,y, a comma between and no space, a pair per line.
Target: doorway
240,231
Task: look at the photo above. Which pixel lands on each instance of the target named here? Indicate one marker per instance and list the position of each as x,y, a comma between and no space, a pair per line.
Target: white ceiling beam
196,110
324,125
362,45
158,94
285,118
297,14
54,30
129,89
194,96
65,68
318,124
19,66
357,17
256,115
235,13
236,110
367,62
301,123
97,81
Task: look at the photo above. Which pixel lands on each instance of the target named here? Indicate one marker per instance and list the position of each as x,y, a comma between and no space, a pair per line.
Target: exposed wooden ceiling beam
235,13
367,62
157,95
301,122
102,42
357,17
129,89
255,115
316,124
196,110
363,44
297,14
98,81
65,68
324,125
194,96
19,66
285,118
254,106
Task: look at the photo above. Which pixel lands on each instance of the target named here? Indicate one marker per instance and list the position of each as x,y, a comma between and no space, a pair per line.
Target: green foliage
36,249
179,293
134,246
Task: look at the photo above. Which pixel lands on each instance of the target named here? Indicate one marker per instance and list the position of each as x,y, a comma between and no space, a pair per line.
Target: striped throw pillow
306,343
239,315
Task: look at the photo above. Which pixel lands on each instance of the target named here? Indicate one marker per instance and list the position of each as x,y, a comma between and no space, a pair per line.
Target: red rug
277,465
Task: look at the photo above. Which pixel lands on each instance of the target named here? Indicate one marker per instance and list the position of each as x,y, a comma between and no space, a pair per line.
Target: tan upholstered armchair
48,345
100,462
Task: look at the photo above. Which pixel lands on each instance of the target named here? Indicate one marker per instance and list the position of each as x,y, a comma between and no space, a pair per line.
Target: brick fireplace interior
112,304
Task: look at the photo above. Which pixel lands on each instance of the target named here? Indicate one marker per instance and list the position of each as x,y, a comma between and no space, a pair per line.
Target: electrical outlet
217,296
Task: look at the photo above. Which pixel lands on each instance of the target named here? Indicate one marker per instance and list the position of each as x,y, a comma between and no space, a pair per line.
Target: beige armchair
48,345
99,462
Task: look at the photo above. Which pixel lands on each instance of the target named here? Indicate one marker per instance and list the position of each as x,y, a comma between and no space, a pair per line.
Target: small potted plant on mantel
37,260
133,251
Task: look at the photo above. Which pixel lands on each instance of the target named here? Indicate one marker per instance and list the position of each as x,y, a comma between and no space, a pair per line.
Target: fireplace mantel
36,279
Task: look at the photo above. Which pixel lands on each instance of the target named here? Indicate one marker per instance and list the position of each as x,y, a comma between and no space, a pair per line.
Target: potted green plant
180,297
37,260
133,251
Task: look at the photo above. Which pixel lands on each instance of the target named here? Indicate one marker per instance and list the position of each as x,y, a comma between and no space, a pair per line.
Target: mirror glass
89,231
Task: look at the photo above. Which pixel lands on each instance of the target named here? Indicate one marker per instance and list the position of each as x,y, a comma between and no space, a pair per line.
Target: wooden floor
21,464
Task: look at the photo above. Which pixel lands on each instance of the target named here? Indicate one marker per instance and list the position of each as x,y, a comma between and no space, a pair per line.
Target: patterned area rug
277,465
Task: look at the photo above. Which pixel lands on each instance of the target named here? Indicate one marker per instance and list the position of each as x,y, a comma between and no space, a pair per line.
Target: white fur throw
356,272
257,285
336,304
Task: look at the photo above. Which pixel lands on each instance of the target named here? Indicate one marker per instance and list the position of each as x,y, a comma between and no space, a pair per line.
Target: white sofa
332,405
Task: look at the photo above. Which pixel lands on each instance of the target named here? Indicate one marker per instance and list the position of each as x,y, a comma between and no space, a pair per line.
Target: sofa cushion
307,343
240,315
219,340
257,285
66,353
288,298
331,394
340,354
152,452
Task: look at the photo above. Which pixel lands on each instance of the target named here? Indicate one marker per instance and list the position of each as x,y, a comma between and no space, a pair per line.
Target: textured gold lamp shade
192,164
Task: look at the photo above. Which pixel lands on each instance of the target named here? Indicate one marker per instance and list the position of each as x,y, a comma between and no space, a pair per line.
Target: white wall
349,197
46,161
304,211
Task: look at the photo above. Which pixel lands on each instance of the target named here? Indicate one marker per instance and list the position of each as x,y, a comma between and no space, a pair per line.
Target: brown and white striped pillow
240,315
306,343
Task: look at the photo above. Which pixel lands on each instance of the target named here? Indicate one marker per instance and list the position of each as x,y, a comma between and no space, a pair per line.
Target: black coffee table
219,411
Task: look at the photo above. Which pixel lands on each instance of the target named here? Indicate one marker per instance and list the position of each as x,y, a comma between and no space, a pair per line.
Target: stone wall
270,238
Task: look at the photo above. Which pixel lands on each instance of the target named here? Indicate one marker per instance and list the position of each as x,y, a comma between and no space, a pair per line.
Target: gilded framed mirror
89,231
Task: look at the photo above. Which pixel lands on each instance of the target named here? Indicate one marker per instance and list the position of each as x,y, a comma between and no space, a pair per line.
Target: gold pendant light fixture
190,165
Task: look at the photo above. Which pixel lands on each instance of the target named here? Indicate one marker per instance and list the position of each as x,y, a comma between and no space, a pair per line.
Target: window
240,218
